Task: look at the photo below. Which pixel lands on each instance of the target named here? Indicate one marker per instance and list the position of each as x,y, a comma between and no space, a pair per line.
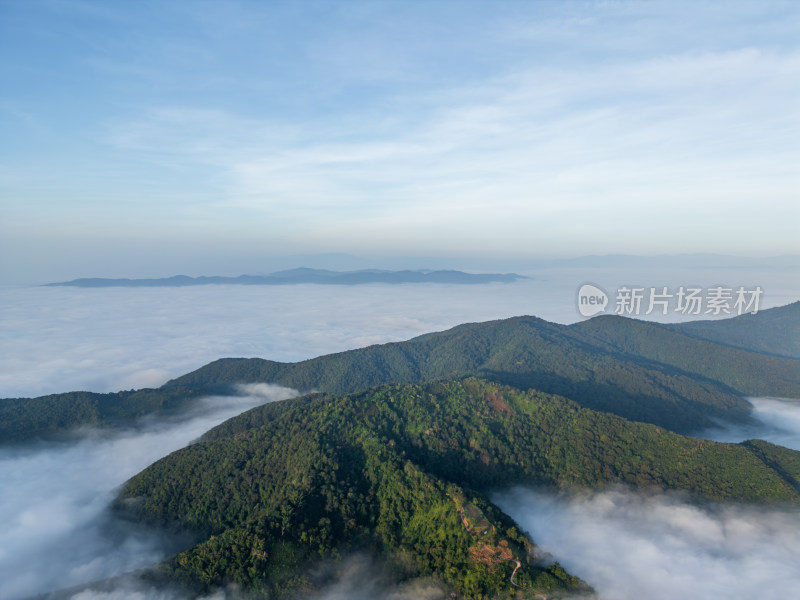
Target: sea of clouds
630,546
57,339
57,530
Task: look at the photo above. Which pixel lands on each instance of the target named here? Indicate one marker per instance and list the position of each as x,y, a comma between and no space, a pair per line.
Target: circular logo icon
591,300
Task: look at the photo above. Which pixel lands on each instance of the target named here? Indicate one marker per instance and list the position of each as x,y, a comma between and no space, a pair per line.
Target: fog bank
56,340
57,531
775,420
630,546
355,577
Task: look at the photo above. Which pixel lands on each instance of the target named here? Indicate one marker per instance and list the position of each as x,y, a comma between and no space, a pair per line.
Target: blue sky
149,138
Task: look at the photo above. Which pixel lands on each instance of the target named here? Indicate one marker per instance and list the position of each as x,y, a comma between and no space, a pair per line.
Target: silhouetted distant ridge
305,275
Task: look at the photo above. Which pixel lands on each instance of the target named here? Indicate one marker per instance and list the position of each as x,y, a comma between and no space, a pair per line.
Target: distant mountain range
304,275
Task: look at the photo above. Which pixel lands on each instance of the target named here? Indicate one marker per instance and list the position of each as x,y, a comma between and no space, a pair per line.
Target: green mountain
396,448
642,371
399,470
57,415
772,331
639,370
745,371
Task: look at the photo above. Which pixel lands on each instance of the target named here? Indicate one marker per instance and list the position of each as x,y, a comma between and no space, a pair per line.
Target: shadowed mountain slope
748,372
772,331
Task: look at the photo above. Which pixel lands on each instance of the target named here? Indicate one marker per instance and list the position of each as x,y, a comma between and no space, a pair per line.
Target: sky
150,138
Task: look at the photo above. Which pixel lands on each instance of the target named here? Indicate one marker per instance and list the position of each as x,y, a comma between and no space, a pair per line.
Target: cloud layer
57,531
631,546
64,339
777,421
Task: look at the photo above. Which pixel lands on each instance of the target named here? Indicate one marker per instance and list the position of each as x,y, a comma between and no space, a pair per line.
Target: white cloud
776,420
696,130
354,577
536,116
630,546
59,339
62,339
57,530
359,577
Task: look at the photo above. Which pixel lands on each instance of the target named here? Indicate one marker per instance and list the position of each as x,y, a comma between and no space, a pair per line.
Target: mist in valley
774,419
57,529
631,545
661,546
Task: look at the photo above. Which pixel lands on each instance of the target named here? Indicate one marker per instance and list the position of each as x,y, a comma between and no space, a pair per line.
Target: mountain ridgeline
661,374
639,370
773,331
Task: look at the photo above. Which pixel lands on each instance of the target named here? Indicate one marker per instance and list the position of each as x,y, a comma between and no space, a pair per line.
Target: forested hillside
395,469
56,415
772,331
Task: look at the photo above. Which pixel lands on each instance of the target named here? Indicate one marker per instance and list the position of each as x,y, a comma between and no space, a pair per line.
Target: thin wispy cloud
322,127
675,130
354,577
